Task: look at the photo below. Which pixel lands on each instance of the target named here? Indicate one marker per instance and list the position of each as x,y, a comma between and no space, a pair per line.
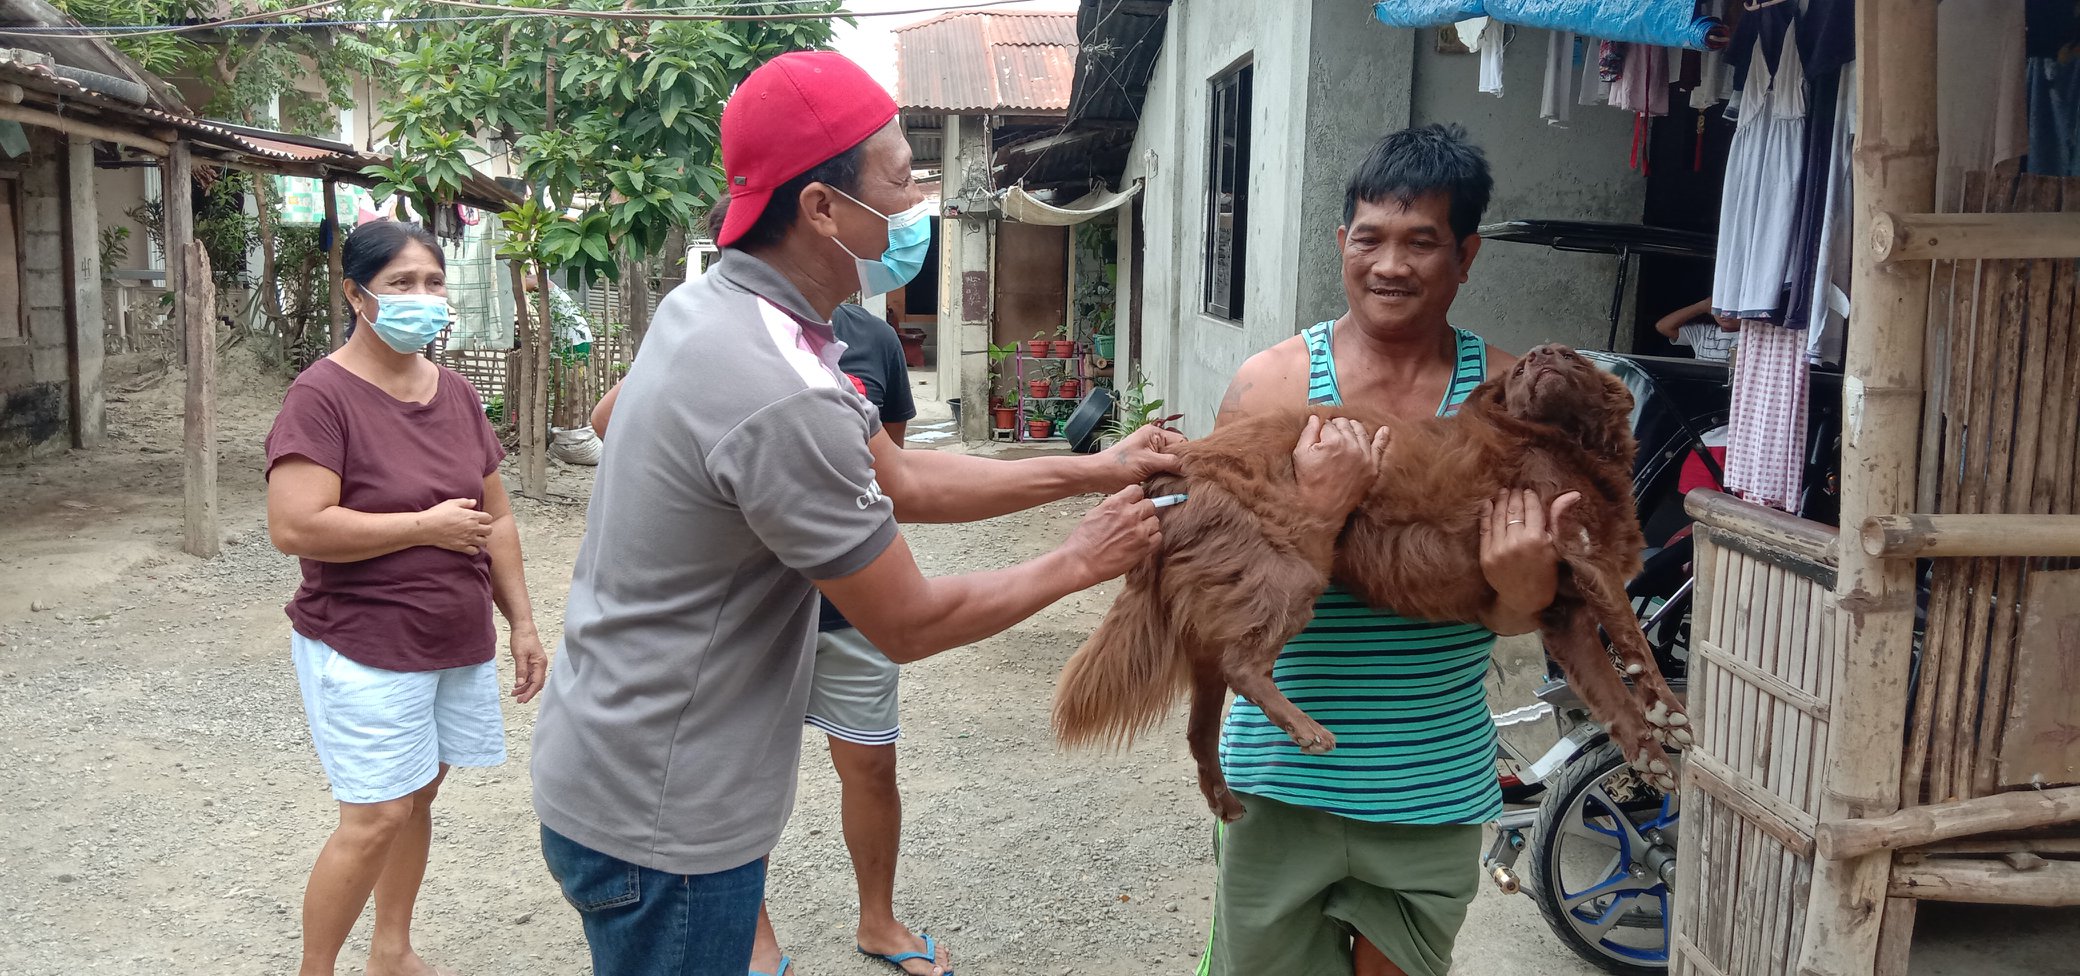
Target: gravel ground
163,803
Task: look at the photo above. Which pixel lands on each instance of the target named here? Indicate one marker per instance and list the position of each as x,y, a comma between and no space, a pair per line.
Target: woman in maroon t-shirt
383,480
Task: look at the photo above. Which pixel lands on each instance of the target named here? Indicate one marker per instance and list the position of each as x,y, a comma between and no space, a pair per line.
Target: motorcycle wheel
1602,858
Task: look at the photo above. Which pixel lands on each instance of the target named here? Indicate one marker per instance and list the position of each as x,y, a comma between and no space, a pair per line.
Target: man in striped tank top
1362,860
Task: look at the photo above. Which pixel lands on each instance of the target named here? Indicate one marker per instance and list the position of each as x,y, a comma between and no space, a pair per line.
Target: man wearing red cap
744,467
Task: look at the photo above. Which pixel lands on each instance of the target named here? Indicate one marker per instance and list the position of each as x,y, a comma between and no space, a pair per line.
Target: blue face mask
407,323
909,237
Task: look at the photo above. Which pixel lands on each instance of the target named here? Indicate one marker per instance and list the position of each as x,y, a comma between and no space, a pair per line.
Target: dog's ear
1489,398
1608,418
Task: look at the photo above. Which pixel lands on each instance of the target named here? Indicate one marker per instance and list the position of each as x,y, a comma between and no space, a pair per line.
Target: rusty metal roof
970,61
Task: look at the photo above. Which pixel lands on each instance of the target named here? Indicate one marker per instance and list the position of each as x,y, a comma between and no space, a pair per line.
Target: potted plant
1039,428
1038,387
1101,335
1071,388
1135,409
1003,409
1036,347
1061,346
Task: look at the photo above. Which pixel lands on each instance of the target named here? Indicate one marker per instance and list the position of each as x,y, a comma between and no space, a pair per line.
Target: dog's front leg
1569,631
1611,609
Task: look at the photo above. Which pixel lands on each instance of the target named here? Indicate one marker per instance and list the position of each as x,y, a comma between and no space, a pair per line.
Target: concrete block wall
34,371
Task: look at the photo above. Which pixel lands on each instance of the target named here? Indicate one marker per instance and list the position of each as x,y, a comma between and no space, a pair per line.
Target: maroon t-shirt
418,609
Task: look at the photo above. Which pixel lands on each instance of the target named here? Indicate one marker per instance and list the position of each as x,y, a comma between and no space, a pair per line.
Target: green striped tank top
1405,698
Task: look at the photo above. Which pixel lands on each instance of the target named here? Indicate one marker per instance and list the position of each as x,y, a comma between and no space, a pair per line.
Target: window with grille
1227,192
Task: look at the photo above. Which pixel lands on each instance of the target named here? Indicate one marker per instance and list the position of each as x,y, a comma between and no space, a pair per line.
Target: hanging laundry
1610,61
1981,120
1765,449
2053,49
1823,304
1714,77
1759,203
1555,103
1642,85
1493,39
1596,90
1826,43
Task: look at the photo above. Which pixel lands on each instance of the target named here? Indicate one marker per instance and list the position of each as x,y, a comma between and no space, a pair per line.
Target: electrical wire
506,13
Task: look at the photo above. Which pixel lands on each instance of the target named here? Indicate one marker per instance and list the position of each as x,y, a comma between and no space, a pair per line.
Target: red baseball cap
794,112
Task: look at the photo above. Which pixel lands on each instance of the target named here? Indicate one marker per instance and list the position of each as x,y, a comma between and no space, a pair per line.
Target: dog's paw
1311,737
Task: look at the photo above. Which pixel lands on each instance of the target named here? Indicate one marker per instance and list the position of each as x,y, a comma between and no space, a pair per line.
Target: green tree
245,67
613,123
245,70
613,119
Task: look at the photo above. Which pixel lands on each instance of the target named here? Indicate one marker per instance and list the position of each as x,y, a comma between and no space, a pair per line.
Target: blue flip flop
782,971
930,954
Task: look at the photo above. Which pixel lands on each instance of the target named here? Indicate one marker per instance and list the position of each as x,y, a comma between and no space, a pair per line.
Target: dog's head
1553,386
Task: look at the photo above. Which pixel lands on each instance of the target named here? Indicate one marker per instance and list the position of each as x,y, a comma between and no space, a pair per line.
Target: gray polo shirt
739,471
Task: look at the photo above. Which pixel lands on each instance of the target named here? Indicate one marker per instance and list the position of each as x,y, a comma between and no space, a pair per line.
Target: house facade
1250,120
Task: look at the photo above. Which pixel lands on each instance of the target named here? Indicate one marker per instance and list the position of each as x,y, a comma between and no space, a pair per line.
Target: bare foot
887,941
408,964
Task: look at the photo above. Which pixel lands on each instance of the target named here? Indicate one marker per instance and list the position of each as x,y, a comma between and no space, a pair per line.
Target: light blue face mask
909,237
407,323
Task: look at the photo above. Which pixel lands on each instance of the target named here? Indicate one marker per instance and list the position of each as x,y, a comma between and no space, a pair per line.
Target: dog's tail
1122,681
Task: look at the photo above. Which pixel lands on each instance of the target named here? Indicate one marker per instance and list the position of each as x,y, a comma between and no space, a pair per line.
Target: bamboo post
1894,164
335,274
1982,237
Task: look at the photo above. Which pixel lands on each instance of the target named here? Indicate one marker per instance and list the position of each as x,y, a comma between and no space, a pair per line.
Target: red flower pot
1070,388
1062,348
1037,388
1037,348
1037,429
1003,418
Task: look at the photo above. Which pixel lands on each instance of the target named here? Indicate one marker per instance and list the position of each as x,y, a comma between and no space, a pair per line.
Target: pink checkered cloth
1766,436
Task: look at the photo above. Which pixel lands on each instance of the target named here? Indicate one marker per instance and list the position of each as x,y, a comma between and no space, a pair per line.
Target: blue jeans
641,922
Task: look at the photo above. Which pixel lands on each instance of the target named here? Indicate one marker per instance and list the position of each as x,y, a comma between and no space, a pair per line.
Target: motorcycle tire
1546,886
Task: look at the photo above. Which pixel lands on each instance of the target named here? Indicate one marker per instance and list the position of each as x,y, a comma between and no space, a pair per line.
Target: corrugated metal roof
987,62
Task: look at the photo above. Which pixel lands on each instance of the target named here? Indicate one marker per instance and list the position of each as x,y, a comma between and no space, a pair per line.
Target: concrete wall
1190,356
1520,295
35,385
1330,81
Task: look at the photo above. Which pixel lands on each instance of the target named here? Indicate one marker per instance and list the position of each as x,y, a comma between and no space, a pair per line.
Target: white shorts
382,734
853,695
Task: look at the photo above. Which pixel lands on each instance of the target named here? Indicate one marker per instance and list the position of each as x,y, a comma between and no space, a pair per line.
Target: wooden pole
86,324
177,226
1972,236
1916,536
1894,165
75,127
1914,827
335,273
197,303
1989,883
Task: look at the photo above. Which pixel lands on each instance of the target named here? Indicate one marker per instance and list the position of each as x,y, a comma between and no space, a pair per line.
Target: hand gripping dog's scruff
1241,566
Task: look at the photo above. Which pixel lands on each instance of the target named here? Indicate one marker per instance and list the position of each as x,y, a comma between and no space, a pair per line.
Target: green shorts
1296,884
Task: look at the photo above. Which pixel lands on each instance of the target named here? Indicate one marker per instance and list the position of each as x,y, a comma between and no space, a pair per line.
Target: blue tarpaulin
1427,13
1668,23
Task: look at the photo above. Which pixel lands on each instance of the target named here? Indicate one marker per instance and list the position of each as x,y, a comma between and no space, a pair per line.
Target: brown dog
1241,566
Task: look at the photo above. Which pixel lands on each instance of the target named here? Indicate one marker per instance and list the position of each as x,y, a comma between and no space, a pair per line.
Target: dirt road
163,803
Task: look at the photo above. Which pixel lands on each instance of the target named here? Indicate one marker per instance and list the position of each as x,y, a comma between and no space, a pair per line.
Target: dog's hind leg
1609,607
1203,732
1272,602
1570,637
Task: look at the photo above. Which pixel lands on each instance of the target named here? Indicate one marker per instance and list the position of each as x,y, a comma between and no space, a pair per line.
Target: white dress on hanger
1761,193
